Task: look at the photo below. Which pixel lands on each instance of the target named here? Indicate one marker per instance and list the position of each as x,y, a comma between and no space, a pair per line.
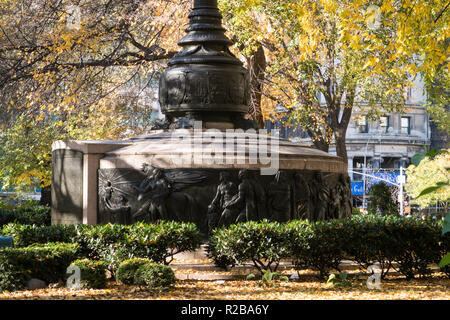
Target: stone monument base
204,177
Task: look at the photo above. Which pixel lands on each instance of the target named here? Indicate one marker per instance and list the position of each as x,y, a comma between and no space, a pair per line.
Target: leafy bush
154,276
47,262
381,199
268,278
157,242
102,242
338,280
217,251
317,245
113,243
25,235
127,269
37,215
177,237
369,242
415,245
92,273
406,244
264,243
355,211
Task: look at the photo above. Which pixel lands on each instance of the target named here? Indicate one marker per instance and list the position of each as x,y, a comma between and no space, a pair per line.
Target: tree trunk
46,196
257,67
341,146
318,140
340,127
321,145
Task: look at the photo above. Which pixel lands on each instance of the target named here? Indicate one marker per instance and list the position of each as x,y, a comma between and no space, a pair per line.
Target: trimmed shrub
177,237
47,262
355,211
157,242
127,269
318,245
92,273
264,243
381,199
370,242
113,243
25,235
154,276
103,242
408,245
217,250
38,215
415,245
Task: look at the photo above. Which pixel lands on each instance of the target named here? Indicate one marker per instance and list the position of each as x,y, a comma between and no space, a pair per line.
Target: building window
406,125
363,125
408,94
384,124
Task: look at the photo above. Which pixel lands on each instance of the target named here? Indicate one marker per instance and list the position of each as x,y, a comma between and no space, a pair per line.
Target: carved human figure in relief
108,193
335,207
280,198
344,189
245,200
153,192
146,205
162,188
218,214
303,201
148,183
120,213
321,196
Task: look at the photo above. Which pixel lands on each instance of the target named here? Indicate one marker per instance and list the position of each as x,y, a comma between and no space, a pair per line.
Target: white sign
401,179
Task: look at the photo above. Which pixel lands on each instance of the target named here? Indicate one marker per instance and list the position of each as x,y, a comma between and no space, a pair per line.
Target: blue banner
357,188
389,176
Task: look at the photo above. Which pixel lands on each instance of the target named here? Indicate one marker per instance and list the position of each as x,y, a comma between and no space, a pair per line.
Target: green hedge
47,262
407,245
264,243
25,235
145,273
127,270
114,243
92,273
154,276
37,215
318,246
157,242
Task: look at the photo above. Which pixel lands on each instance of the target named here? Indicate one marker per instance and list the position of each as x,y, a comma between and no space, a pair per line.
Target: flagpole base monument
206,163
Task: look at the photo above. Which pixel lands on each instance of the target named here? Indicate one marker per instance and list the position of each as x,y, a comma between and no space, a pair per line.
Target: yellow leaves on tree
326,56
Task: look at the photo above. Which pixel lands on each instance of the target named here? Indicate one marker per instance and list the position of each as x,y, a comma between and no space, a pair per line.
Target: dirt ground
306,288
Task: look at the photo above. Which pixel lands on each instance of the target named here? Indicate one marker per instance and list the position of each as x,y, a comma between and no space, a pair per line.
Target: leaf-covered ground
394,287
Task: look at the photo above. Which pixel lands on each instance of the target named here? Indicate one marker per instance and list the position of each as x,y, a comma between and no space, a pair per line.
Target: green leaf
446,227
343,275
432,153
433,188
331,278
445,261
417,158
